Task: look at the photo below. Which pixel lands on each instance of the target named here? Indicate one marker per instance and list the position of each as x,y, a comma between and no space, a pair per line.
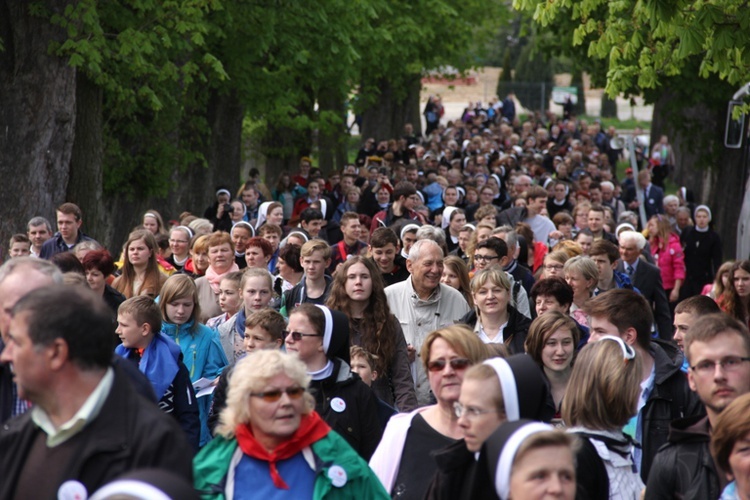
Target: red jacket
671,261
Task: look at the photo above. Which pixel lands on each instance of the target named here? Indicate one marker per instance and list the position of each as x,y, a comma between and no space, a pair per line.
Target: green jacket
211,466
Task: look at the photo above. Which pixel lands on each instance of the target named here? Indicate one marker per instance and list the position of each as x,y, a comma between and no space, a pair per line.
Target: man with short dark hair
311,221
88,425
251,199
718,351
605,255
405,200
665,395
384,252
349,245
69,234
596,224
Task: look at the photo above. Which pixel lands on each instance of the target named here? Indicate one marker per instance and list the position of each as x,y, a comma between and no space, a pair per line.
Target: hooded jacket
670,399
684,467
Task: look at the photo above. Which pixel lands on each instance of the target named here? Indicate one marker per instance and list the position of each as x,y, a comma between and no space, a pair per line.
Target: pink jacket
671,261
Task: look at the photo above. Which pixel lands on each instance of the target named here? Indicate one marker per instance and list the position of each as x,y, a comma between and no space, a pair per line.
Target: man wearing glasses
665,394
718,351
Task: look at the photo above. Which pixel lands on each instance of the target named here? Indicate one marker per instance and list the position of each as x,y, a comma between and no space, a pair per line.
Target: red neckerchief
312,428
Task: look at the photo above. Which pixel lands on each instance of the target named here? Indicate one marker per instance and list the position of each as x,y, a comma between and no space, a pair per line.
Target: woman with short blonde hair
269,435
494,317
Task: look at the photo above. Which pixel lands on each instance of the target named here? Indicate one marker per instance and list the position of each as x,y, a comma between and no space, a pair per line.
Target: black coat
670,399
358,421
684,468
703,257
518,327
458,475
129,433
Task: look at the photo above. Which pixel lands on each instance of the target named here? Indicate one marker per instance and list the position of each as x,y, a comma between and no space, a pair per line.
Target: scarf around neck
214,278
311,429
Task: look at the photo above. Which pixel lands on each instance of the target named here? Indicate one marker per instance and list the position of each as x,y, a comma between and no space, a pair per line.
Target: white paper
205,391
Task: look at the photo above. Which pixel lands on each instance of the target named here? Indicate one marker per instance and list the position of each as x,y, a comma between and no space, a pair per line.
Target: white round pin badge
72,490
338,405
337,475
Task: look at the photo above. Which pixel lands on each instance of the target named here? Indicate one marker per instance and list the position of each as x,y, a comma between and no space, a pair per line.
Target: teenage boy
665,395
605,255
384,251
160,359
350,244
315,284
20,246
264,329
311,222
405,200
272,234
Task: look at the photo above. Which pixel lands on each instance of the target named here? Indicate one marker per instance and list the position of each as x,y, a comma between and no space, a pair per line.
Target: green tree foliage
646,42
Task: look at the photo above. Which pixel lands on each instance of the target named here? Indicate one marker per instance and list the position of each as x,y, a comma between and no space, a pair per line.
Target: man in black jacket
87,425
718,351
665,395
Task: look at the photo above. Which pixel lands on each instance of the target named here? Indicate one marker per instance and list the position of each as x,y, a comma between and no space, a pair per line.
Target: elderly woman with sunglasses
271,442
401,461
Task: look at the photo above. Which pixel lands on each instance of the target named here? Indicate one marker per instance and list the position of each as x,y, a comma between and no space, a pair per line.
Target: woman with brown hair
456,275
551,343
735,300
358,292
140,270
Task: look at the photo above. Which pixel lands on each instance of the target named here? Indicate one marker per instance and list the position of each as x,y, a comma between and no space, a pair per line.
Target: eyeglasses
297,336
729,364
275,395
469,412
438,365
627,351
485,258
550,267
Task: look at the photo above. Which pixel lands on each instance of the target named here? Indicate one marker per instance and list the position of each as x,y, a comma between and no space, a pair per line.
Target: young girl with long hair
201,350
140,269
358,292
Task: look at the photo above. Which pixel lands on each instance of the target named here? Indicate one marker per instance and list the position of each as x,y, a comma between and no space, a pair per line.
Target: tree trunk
86,165
715,179
37,117
386,118
196,188
332,137
609,107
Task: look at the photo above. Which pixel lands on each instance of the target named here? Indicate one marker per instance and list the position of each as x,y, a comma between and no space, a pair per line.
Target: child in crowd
256,288
201,350
230,299
159,358
19,246
264,329
363,364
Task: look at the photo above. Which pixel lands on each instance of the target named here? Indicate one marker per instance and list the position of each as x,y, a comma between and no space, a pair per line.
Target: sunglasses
438,365
297,336
275,395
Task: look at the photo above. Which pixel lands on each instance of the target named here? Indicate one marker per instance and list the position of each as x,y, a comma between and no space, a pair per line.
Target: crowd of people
478,313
